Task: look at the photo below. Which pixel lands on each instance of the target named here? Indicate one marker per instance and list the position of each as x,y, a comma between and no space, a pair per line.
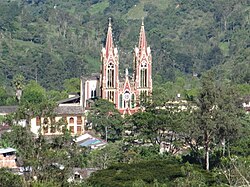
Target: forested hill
53,40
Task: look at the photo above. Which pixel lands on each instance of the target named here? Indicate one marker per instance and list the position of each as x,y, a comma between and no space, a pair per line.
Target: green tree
103,158
3,96
72,85
33,93
157,125
216,119
34,102
236,170
167,172
7,178
106,120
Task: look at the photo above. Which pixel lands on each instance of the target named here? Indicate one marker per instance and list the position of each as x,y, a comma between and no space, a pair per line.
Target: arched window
45,121
110,76
71,120
143,75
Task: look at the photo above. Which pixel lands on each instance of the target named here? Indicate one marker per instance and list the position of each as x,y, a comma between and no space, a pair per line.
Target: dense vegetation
50,41
146,173
200,49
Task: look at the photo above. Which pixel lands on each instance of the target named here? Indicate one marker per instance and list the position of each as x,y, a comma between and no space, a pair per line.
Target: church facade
126,92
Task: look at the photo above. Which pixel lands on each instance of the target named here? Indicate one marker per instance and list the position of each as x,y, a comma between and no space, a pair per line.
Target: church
126,92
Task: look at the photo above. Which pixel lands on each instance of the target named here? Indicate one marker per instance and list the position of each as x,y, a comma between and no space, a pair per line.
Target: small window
79,129
71,128
71,120
45,129
38,121
64,129
64,119
52,129
45,120
79,120
77,176
53,120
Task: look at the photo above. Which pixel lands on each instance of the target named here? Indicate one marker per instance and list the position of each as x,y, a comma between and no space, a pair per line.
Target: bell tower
143,66
109,82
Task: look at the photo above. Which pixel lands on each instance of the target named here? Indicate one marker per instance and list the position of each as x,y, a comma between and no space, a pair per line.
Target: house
69,111
8,158
81,174
88,140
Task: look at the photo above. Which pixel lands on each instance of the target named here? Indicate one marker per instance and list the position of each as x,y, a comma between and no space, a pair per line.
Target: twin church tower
126,92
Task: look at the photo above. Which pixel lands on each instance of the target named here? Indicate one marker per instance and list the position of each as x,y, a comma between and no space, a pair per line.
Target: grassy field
137,11
99,7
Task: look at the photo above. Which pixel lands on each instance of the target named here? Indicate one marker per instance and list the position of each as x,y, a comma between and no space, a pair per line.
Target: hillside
53,40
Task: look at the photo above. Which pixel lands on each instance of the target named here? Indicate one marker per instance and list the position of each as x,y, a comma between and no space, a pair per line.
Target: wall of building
91,90
75,124
8,161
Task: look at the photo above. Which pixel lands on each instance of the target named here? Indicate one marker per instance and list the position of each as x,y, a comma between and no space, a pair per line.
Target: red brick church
126,92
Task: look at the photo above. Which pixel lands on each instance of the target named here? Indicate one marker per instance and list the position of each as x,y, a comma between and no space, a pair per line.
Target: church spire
109,40
142,40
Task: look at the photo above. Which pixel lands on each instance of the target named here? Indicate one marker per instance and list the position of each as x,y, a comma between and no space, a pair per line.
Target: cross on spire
110,22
